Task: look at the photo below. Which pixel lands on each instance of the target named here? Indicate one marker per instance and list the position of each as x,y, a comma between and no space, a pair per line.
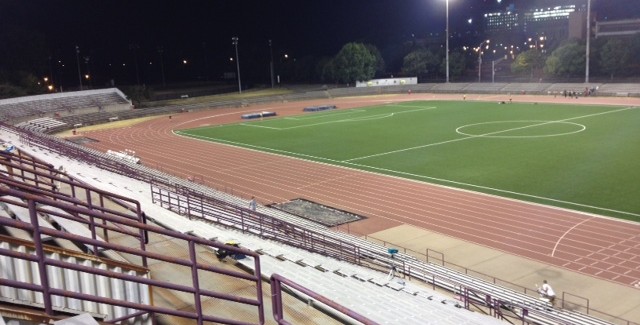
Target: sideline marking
260,126
354,119
567,232
366,168
485,135
325,114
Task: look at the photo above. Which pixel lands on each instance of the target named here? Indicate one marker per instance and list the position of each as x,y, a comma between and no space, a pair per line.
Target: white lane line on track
567,232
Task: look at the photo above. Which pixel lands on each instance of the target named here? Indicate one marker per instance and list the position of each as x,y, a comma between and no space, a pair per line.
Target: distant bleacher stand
319,108
258,115
21,109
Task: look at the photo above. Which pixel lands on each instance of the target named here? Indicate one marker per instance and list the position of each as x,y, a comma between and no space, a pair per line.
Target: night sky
110,31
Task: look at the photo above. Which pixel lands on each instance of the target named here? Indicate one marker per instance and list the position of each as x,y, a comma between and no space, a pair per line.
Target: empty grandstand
71,246
21,109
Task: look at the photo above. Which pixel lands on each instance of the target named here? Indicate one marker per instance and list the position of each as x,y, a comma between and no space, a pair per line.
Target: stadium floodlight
235,43
271,62
586,69
78,62
161,52
447,42
480,58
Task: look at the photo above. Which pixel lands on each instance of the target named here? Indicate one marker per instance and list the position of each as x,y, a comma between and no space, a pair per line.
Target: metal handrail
35,203
277,282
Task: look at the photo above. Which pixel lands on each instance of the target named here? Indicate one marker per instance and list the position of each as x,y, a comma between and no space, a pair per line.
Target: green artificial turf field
578,157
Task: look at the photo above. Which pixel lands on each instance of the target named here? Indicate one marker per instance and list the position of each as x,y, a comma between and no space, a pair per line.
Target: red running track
601,247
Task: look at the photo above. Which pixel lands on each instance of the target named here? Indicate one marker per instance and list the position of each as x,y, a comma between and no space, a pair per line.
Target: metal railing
280,284
195,205
36,203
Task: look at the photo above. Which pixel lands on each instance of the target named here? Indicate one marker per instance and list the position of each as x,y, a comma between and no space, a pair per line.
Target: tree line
610,58
23,60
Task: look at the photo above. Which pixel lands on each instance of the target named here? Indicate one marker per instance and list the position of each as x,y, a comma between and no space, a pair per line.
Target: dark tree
354,63
566,61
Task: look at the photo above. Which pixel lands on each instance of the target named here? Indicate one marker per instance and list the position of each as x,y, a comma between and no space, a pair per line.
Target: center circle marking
534,123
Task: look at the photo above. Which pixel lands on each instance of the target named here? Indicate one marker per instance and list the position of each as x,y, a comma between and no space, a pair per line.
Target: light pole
586,70
134,47
235,42
88,75
206,62
447,42
51,77
271,62
78,62
161,52
480,59
493,68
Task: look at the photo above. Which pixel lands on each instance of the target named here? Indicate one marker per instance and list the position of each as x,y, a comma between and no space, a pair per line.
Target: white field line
405,174
409,106
260,126
484,135
331,114
356,119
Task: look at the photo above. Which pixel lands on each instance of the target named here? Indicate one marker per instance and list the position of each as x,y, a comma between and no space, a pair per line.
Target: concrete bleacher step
77,228
84,319
381,282
396,284
22,214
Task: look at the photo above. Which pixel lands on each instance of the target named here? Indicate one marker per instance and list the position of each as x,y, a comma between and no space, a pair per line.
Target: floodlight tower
447,42
271,62
235,43
586,70
480,58
78,62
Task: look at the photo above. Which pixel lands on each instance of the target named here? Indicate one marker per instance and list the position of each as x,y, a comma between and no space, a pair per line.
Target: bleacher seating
449,279
367,293
526,88
61,104
43,124
485,87
450,87
558,89
623,89
446,278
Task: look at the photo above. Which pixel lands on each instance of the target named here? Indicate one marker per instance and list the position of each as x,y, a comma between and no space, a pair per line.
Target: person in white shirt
547,292
252,204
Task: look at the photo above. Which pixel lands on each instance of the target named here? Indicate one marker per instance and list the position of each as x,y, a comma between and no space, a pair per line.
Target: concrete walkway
603,296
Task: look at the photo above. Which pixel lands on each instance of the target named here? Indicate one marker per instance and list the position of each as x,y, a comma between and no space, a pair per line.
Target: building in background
617,28
556,22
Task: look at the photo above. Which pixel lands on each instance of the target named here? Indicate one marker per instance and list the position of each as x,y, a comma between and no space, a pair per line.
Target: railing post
42,267
195,281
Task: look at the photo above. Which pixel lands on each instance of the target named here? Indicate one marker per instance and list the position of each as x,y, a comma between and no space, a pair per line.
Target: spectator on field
546,292
253,204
